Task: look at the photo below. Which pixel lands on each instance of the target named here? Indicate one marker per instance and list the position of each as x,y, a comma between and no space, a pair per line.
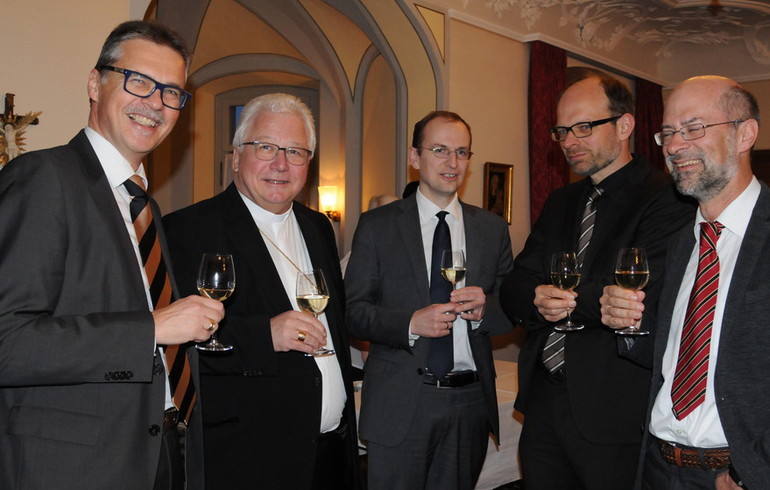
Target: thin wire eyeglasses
268,151
443,152
580,130
141,85
689,132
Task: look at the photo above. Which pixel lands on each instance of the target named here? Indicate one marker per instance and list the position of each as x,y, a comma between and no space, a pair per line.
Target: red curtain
547,79
649,117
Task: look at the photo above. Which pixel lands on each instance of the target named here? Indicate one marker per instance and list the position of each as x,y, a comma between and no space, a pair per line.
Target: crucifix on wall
13,128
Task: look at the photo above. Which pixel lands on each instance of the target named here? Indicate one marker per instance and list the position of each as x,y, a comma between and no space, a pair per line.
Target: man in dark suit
584,403
708,406
275,417
425,428
83,387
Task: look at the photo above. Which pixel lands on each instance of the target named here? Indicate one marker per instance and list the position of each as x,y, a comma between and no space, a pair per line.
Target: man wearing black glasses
584,403
87,328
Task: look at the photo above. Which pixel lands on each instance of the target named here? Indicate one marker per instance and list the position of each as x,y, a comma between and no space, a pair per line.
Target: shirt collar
734,217
428,209
116,167
263,216
615,179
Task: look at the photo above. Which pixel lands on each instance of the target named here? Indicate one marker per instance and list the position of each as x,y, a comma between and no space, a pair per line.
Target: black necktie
441,354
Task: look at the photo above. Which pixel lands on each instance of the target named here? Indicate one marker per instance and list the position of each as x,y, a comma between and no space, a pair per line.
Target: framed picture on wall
498,184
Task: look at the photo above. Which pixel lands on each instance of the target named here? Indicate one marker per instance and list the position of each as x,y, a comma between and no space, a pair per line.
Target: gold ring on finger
212,326
301,336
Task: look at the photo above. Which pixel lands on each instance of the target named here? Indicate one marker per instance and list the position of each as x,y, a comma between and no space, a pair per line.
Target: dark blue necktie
441,354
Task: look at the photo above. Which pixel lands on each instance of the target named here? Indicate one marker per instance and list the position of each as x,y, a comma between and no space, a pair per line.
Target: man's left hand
724,482
470,302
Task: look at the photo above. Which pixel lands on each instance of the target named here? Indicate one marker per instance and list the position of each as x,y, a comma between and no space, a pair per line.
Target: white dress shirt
702,427
284,231
463,357
118,170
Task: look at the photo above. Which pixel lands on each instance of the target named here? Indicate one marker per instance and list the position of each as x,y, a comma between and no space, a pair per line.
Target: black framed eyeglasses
267,151
141,85
689,132
443,152
580,130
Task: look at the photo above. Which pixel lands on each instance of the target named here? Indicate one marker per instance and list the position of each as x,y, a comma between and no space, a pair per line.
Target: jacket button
420,371
317,381
108,376
130,374
154,430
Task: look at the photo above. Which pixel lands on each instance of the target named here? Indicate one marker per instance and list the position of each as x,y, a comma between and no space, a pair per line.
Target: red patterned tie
179,374
689,388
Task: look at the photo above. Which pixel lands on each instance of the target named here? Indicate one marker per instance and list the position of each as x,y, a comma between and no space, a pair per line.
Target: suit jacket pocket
52,424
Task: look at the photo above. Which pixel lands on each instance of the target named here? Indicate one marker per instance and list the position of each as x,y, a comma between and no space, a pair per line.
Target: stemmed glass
632,272
565,275
453,266
216,280
312,297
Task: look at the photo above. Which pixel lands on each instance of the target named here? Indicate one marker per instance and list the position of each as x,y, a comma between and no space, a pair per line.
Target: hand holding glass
312,297
565,275
216,280
632,272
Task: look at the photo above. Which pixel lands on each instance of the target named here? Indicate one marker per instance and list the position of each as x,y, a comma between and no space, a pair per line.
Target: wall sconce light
327,201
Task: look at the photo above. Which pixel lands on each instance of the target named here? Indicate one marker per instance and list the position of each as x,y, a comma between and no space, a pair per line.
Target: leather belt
452,380
690,457
170,419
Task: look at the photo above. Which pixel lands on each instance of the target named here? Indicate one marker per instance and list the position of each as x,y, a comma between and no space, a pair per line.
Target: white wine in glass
565,275
312,297
216,280
632,272
453,266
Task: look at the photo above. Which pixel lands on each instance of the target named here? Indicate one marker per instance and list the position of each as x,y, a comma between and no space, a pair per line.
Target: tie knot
441,215
135,186
710,231
596,193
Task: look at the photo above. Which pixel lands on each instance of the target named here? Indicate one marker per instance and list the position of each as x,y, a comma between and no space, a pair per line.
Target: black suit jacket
607,392
81,393
387,282
741,381
261,409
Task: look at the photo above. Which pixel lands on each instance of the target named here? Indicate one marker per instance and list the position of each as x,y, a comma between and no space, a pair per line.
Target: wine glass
312,297
565,275
216,280
632,272
453,266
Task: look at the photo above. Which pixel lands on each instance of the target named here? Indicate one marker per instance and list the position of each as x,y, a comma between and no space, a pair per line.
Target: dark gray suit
81,394
386,282
741,379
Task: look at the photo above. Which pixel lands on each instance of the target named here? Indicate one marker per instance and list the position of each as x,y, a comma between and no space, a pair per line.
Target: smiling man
428,401
707,419
276,417
583,402
85,318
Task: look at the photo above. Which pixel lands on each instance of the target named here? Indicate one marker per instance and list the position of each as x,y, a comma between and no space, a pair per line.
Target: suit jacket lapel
411,234
473,244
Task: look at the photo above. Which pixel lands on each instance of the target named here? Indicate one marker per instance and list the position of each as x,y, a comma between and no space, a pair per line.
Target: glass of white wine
565,275
453,266
216,280
632,271
312,297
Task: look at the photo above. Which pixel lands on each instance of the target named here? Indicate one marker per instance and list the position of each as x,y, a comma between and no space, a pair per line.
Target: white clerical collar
116,167
263,216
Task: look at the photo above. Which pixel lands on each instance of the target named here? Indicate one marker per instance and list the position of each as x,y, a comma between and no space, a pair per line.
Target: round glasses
268,151
141,85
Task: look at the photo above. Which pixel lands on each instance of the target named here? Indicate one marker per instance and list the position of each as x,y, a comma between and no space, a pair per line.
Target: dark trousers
444,449
332,470
661,475
555,456
170,474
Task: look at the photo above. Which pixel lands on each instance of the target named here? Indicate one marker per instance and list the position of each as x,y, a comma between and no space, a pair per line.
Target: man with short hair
275,416
706,425
85,318
583,402
428,402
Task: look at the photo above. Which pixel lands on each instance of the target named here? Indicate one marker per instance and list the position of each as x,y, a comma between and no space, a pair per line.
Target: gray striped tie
553,352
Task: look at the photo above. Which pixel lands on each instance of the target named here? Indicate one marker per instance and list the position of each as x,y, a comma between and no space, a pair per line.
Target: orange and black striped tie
179,374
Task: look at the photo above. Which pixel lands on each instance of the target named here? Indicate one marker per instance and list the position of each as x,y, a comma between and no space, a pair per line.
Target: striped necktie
689,388
179,373
553,352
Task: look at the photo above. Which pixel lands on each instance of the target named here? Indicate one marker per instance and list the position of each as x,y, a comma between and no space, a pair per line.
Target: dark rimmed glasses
141,85
268,151
689,132
580,130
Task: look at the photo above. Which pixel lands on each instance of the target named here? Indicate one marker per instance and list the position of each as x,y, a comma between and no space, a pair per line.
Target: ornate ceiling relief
602,25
